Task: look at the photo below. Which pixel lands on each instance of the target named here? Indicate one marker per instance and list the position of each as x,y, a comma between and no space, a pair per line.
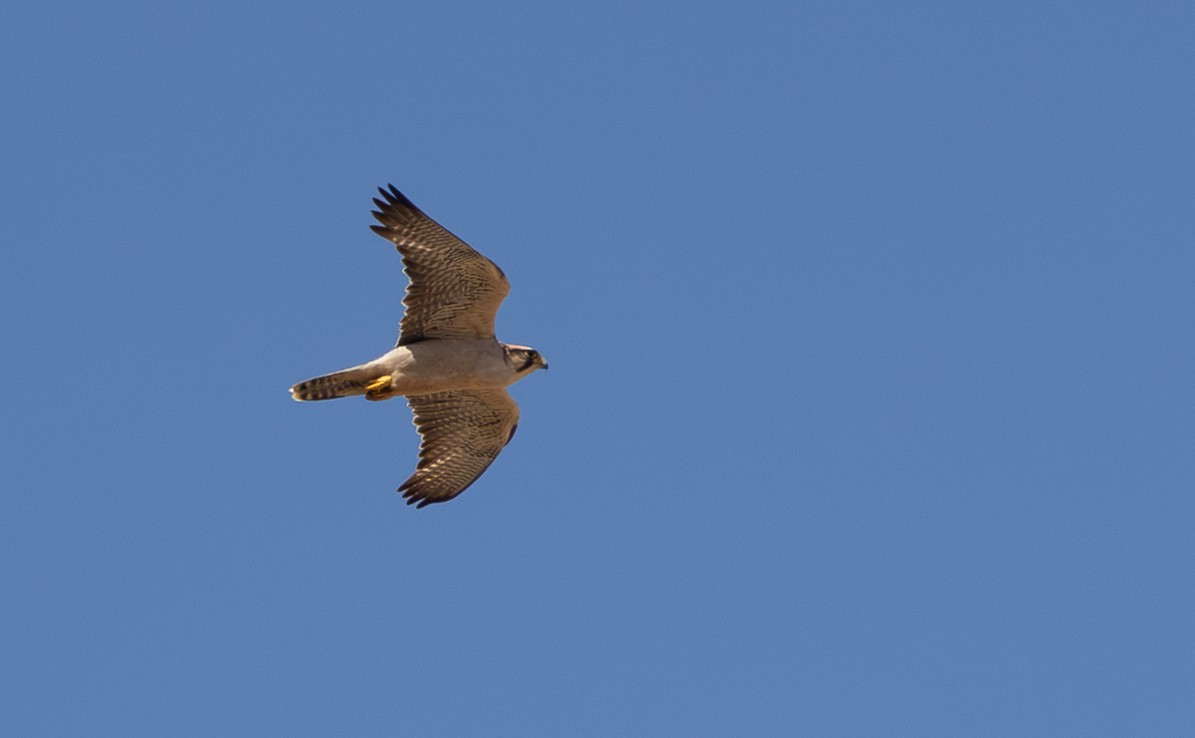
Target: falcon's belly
438,365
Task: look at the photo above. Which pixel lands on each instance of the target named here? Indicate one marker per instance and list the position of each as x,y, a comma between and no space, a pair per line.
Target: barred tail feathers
345,383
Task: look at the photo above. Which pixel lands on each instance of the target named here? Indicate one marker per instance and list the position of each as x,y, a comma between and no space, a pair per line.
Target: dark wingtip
394,209
433,501
414,497
410,494
392,196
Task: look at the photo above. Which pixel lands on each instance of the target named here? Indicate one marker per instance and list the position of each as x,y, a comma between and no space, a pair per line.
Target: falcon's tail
344,383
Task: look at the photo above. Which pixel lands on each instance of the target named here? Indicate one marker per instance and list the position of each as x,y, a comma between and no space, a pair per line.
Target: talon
377,384
378,389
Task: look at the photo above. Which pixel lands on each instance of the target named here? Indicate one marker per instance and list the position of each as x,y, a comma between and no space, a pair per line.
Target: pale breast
436,365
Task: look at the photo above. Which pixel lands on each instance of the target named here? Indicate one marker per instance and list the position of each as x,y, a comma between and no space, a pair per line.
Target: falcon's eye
530,359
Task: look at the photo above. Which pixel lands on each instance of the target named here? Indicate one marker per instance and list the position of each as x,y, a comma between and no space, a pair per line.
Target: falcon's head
524,359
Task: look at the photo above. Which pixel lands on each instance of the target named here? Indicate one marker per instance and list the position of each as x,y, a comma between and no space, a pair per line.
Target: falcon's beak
543,362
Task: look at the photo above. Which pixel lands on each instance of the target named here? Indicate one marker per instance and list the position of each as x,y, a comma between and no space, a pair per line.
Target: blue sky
870,410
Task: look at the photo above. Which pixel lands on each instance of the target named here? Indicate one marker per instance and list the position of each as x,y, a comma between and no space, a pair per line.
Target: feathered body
430,365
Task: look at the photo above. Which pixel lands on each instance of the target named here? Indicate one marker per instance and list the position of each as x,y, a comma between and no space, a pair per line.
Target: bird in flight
447,362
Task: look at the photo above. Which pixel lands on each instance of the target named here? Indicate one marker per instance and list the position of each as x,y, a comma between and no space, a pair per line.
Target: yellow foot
379,389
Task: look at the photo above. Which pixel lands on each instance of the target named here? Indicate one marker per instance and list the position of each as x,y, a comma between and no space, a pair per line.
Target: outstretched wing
462,433
454,291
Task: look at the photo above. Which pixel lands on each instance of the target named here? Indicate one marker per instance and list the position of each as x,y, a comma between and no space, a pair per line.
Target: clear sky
870,410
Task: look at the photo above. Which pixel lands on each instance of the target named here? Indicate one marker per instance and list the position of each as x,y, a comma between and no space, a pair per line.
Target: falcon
447,362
